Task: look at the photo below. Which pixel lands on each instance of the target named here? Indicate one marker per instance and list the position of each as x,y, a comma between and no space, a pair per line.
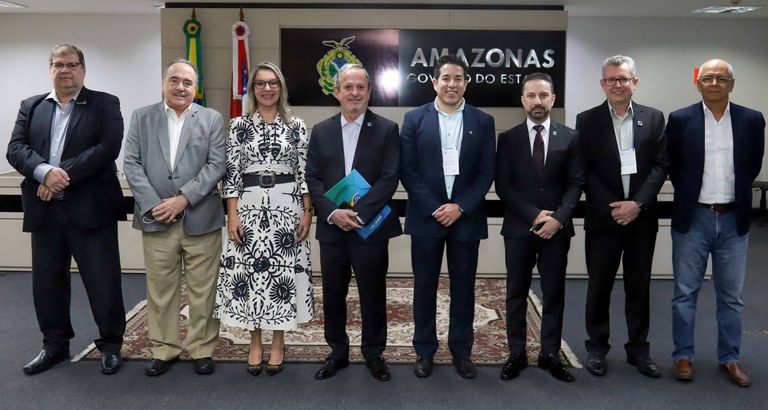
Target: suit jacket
685,135
525,192
200,164
93,140
603,166
422,173
377,159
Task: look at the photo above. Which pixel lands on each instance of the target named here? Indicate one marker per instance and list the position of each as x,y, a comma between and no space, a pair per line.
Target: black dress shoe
46,359
596,363
422,367
513,365
205,365
556,368
378,368
465,368
645,365
110,362
330,368
158,366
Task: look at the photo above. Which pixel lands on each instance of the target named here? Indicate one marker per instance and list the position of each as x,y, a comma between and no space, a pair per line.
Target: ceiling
581,8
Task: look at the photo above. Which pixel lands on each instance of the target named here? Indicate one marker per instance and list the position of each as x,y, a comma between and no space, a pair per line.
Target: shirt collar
630,111
358,120
54,97
167,108
707,111
458,110
531,124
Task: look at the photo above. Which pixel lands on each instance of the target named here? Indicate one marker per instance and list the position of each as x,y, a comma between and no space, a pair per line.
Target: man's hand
346,219
168,209
448,214
44,193
56,180
549,225
624,212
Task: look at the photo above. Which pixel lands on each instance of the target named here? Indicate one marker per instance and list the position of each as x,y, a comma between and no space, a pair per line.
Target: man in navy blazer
355,139
65,144
716,152
539,178
625,166
447,168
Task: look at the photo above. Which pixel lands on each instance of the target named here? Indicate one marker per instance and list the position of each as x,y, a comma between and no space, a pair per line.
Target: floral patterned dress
266,283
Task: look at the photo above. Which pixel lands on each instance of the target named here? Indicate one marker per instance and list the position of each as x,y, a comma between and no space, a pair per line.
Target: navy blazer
525,192
377,159
93,141
423,179
603,166
685,136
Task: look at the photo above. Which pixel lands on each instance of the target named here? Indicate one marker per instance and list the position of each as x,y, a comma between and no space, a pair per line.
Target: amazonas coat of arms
333,60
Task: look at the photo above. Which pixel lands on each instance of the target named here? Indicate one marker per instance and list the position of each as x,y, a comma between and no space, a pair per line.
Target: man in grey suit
174,157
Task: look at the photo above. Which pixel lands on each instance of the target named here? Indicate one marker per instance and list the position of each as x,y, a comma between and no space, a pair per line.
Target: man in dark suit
355,139
447,150
716,152
175,155
625,162
65,144
539,177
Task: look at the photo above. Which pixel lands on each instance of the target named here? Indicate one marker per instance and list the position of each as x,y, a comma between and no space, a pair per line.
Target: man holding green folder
352,173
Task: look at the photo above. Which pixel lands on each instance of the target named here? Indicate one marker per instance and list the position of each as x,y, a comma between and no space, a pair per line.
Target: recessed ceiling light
726,9
10,5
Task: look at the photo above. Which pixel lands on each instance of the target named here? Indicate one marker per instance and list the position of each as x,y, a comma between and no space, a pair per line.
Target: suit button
170,177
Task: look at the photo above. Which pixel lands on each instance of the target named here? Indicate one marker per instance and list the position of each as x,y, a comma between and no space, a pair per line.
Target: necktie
538,147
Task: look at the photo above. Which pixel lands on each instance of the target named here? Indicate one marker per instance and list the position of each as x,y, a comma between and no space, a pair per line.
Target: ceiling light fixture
10,5
734,9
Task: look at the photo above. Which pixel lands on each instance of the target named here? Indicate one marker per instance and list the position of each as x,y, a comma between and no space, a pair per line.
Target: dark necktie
538,147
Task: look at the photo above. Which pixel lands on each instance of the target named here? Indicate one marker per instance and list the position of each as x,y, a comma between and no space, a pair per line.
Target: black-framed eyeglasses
612,81
263,84
60,66
708,80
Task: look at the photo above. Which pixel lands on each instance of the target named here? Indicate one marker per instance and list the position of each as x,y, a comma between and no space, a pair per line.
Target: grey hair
180,61
64,49
346,67
730,67
618,60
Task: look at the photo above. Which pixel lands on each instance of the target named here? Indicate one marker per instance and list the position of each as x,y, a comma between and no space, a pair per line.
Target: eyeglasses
610,82
708,80
263,84
60,66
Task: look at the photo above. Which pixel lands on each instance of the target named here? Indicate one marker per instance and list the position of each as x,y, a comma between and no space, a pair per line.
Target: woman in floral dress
265,274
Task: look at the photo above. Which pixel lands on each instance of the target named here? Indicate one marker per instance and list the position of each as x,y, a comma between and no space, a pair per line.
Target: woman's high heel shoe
273,369
254,369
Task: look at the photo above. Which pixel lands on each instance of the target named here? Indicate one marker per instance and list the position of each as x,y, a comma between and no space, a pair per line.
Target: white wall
666,52
122,54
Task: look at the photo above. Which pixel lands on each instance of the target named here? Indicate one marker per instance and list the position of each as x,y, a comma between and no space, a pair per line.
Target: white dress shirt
717,182
175,124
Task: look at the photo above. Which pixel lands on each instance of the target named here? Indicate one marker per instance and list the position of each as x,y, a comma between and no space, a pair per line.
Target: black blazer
602,166
377,159
685,133
525,192
93,141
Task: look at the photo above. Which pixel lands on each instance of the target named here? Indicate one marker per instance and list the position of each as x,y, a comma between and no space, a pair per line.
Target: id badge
628,161
450,161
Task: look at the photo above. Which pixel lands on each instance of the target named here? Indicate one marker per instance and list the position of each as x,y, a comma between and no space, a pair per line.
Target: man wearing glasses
716,152
65,144
625,162
174,157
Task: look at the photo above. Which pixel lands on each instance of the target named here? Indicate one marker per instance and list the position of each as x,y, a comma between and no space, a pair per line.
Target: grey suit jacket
200,165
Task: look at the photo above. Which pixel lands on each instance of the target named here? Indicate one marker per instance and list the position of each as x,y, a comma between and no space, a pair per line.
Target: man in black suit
716,150
65,144
539,177
625,162
355,139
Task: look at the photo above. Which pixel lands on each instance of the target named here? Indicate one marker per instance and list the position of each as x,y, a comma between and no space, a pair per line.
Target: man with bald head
716,152
174,157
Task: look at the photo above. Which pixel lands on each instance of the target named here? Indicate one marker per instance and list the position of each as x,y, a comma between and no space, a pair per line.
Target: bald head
715,83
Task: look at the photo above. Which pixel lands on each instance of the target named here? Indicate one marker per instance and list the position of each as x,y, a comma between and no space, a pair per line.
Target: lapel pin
554,133
639,123
470,133
81,102
368,124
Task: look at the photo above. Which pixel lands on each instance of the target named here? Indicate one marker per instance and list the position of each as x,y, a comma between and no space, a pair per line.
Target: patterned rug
307,344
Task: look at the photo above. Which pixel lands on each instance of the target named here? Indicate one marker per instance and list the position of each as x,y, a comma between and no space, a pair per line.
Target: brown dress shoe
736,373
683,370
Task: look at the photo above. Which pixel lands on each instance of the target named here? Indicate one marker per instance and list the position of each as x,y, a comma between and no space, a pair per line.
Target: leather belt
719,208
266,179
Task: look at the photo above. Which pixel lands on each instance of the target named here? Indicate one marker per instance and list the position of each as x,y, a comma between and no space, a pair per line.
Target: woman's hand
304,224
235,229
